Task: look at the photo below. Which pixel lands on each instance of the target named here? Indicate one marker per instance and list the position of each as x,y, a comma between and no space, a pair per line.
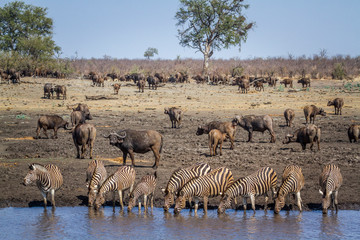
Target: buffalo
289,115
50,122
338,103
354,133
255,123
309,134
85,109
153,82
225,127
133,141
287,82
60,89
311,111
48,89
175,115
305,82
84,134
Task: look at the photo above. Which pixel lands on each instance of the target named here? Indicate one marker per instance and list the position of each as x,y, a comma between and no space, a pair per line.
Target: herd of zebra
192,183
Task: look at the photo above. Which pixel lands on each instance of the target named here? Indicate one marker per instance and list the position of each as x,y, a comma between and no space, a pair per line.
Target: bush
338,71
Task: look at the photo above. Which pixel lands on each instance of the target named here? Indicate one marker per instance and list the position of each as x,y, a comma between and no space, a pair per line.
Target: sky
125,29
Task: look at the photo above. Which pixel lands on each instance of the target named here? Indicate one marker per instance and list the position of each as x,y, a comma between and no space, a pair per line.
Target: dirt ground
21,106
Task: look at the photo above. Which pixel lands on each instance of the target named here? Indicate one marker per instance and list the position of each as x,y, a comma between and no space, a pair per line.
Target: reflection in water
47,224
86,223
330,226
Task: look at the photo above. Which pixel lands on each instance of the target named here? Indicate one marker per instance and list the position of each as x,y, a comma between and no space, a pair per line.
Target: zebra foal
330,181
256,184
48,178
210,185
98,177
292,182
179,178
121,180
146,187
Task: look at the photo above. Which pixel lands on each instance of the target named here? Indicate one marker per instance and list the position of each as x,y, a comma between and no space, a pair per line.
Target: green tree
208,25
26,29
150,52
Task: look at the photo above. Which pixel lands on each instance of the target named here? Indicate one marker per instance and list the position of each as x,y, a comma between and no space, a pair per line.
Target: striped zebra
121,180
210,185
179,178
292,182
146,187
330,181
97,179
256,184
48,179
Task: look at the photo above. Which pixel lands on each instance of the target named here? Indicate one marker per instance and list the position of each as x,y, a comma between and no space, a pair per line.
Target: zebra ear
321,192
31,167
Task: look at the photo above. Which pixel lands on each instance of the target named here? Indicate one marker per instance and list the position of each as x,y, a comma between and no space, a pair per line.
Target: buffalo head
322,112
166,110
288,138
116,138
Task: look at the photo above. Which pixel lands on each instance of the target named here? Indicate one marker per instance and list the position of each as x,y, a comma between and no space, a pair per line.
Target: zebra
145,187
97,179
121,180
48,179
292,182
179,178
330,181
256,184
212,184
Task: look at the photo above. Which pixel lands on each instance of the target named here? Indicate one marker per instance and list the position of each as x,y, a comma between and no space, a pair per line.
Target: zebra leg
266,201
196,205
244,203
145,203
152,201
299,201
114,201
121,200
139,206
44,197
205,204
336,200
287,201
252,198
52,192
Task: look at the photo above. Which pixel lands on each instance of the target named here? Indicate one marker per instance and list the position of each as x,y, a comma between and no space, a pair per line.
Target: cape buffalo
225,127
311,111
255,123
289,115
84,134
48,89
60,89
50,122
304,82
338,103
309,134
175,115
133,141
85,109
354,133
77,117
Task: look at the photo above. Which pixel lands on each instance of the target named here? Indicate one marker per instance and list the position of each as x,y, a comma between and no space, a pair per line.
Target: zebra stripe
292,182
256,184
330,181
145,187
48,179
121,180
179,178
98,177
210,185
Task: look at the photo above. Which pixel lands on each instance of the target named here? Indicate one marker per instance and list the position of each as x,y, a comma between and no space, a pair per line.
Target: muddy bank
202,103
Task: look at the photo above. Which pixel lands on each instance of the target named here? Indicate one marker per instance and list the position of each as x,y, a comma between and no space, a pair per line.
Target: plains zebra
292,182
330,181
210,185
48,179
97,179
256,184
121,180
179,178
145,187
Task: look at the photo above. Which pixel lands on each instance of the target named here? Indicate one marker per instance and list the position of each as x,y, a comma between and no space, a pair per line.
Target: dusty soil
21,106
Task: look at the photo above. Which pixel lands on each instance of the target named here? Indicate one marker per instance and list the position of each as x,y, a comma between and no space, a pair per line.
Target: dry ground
21,106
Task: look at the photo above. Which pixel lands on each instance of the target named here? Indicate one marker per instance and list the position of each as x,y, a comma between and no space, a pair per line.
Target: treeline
337,67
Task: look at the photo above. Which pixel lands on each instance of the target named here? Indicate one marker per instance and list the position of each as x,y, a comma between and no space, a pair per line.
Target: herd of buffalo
131,141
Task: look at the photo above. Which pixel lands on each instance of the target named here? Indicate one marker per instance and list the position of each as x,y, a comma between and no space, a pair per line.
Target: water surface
81,223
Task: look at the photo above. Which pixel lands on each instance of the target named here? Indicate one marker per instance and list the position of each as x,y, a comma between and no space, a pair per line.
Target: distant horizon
125,29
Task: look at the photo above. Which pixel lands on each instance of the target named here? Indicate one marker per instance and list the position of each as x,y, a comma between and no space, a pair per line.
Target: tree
150,52
208,25
26,29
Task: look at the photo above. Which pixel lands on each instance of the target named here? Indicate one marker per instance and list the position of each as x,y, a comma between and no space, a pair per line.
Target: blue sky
125,29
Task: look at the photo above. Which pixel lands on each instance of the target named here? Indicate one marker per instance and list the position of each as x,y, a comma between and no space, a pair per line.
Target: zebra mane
36,166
